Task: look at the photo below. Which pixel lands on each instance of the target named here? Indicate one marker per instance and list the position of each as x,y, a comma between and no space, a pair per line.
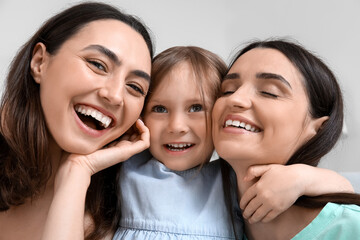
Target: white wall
330,28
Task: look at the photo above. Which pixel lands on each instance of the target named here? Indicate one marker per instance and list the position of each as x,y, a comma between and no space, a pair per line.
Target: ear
315,124
37,62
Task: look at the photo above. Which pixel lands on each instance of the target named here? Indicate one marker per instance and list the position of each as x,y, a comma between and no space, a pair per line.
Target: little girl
172,192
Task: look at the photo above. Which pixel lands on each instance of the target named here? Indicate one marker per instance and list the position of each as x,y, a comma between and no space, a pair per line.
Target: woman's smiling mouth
240,124
93,118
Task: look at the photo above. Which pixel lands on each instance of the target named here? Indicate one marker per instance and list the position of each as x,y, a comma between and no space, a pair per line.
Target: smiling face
262,116
92,89
175,116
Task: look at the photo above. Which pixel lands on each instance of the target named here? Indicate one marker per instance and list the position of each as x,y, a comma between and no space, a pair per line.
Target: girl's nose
177,123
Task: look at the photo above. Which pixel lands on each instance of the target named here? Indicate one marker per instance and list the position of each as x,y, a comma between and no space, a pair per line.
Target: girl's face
262,116
92,89
175,116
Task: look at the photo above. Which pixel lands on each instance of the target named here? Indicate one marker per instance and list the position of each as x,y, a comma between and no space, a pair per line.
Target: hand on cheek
132,142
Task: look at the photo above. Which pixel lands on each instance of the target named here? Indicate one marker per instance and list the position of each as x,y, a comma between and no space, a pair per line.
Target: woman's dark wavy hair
325,99
24,164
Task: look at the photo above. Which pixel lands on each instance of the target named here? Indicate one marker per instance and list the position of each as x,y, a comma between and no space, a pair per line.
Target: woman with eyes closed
77,85
293,103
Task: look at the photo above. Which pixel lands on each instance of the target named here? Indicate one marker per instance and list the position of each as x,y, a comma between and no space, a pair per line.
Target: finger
270,216
134,137
143,130
105,158
122,150
126,136
251,208
249,194
259,214
141,126
256,171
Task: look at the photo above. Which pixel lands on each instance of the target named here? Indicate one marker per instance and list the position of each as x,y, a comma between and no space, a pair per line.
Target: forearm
66,215
322,181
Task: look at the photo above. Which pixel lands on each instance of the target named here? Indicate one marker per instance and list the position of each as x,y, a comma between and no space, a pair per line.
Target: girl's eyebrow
273,76
112,56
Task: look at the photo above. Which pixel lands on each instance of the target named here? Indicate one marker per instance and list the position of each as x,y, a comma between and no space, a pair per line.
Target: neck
55,156
285,226
240,170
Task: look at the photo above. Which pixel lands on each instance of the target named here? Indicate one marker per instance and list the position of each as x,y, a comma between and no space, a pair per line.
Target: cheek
285,130
155,127
134,106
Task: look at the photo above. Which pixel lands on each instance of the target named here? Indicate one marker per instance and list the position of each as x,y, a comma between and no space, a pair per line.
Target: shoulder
335,221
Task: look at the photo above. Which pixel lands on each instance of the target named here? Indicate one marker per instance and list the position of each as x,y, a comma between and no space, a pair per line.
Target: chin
80,149
176,166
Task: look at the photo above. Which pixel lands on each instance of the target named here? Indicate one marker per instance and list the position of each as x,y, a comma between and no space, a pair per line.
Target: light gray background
330,28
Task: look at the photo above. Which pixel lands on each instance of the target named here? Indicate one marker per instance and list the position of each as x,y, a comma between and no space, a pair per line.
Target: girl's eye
98,65
159,109
136,88
268,94
196,108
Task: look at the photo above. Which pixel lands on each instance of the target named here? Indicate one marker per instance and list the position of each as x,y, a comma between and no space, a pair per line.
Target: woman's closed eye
228,88
159,109
225,93
269,94
196,108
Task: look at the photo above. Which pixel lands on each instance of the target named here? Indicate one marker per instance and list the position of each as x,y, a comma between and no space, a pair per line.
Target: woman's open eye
268,94
196,108
98,65
159,109
136,88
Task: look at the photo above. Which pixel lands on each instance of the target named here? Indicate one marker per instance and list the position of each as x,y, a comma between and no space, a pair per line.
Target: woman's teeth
238,124
88,111
178,147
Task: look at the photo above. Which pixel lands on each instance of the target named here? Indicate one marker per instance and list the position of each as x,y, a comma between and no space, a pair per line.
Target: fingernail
141,121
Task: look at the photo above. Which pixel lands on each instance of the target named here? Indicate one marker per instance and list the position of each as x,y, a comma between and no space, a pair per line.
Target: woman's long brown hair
24,158
325,99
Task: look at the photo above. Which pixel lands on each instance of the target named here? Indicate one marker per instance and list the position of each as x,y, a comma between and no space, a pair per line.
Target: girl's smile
175,116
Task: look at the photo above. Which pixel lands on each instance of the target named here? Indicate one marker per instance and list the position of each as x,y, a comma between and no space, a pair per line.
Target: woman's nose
113,92
241,98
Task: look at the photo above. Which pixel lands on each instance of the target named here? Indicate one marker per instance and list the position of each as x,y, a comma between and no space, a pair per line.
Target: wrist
301,174
73,175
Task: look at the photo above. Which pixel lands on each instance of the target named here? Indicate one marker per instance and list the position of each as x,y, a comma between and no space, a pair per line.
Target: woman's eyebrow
107,52
112,56
231,76
142,74
273,76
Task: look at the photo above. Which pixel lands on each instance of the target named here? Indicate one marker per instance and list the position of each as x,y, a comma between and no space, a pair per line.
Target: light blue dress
160,204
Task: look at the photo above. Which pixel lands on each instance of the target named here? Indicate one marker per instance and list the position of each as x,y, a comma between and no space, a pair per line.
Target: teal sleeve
334,222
